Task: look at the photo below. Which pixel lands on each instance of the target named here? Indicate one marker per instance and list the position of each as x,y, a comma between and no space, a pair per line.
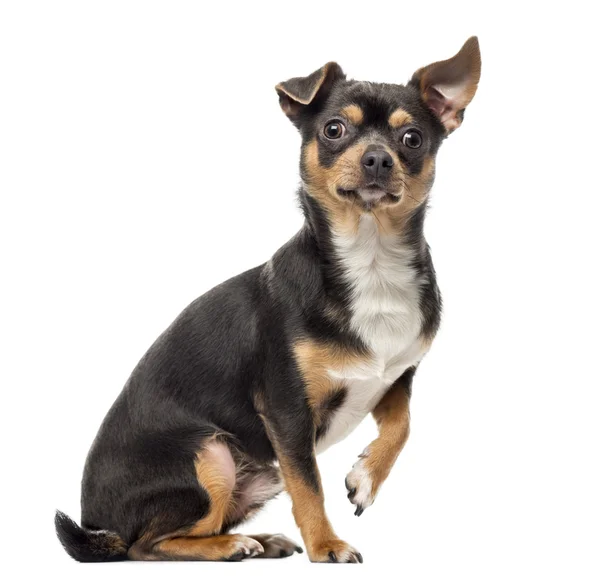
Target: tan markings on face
353,113
414,189
399,118
322,184
393,420
346,173
315,360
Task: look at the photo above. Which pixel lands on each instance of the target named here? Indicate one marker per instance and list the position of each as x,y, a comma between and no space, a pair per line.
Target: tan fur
393,218
393,421
314,359
415,191
215,471
322,184
219,484
399,118
308,507
211,548
353,114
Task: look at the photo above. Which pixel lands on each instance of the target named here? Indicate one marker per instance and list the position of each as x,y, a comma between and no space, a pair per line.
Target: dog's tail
89,546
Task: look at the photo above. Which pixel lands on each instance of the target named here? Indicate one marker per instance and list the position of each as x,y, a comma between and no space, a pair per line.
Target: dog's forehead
377,101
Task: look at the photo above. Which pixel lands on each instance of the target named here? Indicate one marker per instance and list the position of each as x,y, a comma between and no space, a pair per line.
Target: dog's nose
377,163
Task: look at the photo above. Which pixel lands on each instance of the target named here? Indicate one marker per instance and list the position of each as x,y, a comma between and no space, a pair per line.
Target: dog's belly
365,386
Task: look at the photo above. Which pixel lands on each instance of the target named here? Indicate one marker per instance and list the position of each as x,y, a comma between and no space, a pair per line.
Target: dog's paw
360,485
276,546
334,551
244,547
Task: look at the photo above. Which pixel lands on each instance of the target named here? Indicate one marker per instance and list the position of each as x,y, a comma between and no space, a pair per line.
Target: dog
233,402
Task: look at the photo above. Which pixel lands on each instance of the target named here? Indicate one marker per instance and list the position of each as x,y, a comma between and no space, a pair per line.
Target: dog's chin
370,197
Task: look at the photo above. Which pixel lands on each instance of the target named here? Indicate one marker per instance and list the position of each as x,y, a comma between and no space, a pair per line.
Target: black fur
87,546
331,405
406,380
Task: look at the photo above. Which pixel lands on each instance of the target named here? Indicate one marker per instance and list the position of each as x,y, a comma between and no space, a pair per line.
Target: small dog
235,399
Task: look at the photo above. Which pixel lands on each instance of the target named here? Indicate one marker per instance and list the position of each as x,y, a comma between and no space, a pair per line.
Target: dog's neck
376,276
319,227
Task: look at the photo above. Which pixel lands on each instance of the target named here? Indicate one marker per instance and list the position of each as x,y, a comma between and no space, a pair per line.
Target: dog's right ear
297,93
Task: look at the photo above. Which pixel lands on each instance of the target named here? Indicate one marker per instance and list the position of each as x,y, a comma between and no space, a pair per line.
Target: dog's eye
412,138
334,130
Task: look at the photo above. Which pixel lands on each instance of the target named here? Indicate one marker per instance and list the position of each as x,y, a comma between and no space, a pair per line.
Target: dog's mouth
369,195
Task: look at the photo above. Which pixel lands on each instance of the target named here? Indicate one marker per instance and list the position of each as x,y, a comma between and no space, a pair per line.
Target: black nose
378,163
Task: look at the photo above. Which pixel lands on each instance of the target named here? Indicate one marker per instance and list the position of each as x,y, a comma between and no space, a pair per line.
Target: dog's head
372,146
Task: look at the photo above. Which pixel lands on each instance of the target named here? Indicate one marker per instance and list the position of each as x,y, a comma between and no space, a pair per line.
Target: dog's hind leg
235,492
255,486
204,539
223,547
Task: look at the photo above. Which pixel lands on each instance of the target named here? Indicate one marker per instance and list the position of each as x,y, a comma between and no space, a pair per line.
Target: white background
144,159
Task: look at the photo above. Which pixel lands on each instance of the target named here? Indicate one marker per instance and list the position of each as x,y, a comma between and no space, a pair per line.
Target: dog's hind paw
276,546
244,547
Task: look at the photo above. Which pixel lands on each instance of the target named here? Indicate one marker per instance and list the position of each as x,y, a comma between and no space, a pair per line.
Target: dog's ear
447,87
297,93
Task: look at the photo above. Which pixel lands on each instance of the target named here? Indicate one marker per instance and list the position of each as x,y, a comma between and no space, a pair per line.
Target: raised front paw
359,484
334,551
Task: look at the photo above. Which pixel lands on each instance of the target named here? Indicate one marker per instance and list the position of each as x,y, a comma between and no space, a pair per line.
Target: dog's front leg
374,464
293,438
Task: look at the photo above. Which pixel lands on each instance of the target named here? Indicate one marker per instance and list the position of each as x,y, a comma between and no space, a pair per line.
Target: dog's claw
351,493
359,510
332,557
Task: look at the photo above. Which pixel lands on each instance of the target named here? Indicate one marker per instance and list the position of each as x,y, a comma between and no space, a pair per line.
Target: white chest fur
385,315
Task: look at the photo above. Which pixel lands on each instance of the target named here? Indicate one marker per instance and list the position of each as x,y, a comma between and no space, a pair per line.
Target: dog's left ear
297,93
447,87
